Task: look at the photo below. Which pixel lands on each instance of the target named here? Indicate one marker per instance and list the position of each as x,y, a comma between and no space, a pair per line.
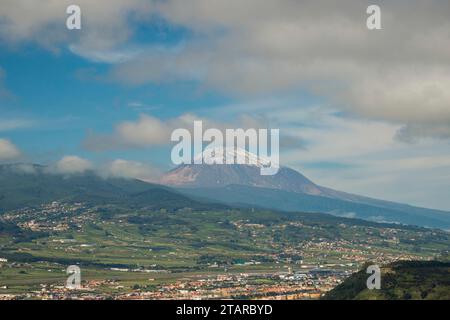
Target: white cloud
146,131
130,169
105,24
335,138
104,56
8,151
150,131
399,74
72,165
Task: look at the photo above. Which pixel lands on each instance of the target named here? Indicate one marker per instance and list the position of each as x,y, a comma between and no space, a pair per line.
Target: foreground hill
403,280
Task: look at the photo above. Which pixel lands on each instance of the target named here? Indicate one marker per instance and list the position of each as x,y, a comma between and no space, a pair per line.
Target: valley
136,240
189,253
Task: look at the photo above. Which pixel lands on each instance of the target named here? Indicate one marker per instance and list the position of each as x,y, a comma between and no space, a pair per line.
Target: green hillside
403,280
23,189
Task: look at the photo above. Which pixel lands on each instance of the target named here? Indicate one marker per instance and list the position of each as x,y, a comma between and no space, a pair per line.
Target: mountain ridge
290,190
21,188
23,185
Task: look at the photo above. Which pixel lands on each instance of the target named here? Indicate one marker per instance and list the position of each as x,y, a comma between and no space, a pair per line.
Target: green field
157,247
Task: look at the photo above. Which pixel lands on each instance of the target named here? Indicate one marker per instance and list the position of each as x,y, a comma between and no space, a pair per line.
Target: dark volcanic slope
20,188
291,191
289,201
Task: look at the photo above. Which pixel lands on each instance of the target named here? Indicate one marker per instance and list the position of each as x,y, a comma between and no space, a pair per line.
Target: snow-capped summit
219,155
214,171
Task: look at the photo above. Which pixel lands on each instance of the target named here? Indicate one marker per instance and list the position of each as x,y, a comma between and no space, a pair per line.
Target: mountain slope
20,188
214,175
217,175
239,195
291,191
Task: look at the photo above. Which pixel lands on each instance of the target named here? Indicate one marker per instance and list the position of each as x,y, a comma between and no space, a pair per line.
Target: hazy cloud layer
365,157
118,168
130,169
17,123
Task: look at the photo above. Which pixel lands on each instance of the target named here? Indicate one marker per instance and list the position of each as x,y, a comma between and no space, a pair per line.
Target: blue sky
361,111
50,92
